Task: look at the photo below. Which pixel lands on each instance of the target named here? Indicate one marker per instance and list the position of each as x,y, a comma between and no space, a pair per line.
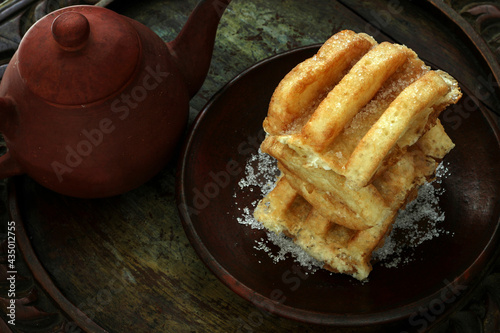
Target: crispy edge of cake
351,94
311,79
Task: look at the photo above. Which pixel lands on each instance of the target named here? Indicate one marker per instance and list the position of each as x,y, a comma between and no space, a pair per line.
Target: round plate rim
330,319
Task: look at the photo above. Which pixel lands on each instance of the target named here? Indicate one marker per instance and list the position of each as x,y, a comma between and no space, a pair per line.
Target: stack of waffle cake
355,131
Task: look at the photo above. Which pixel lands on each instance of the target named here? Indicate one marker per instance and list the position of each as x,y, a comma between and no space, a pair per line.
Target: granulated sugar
418,222
261,172
287,248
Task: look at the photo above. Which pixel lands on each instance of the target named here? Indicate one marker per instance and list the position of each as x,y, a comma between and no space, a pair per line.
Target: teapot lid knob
79,55
71,30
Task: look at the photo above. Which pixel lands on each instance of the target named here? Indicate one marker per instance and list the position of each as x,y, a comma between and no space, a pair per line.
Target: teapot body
93,104
105,147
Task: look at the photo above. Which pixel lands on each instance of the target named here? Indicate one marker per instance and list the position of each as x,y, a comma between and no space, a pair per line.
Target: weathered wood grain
126,261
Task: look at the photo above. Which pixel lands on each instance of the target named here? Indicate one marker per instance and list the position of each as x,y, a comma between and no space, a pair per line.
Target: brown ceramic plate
226,134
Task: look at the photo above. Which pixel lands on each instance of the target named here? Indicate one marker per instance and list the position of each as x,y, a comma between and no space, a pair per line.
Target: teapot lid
79,55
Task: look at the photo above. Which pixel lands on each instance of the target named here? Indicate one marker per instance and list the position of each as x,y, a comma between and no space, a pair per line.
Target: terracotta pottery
212,202
93,103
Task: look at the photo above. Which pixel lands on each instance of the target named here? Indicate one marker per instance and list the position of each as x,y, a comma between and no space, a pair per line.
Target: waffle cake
355,130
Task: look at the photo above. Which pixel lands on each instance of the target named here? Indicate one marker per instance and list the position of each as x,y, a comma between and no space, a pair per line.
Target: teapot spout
192,48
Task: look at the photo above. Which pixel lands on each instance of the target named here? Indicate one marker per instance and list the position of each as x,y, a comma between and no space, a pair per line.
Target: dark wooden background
249,32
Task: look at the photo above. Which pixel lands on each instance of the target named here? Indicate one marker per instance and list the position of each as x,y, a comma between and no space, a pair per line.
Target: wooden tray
124,264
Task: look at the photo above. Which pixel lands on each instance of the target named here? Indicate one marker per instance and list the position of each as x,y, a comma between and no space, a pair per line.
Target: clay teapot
93,104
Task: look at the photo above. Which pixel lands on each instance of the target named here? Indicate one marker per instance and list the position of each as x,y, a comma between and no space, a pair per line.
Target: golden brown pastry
355,131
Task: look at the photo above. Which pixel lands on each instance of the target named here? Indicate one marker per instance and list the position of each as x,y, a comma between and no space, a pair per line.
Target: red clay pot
93,103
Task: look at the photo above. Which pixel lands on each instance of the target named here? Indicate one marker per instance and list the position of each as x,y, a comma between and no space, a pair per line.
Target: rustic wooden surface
126,262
